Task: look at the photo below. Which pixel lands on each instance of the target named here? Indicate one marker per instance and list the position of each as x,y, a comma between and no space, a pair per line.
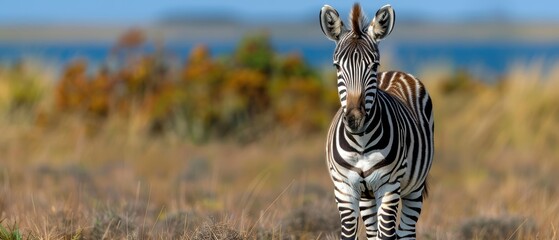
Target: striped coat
380,144
396,146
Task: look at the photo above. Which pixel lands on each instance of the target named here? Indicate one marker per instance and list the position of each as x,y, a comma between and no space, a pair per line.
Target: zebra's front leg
348,206
388,199
411,208
368,209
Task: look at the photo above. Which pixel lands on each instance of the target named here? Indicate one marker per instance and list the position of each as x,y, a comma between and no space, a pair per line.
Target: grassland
494,175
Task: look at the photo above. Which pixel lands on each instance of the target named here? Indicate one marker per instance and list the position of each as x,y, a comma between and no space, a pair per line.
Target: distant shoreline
299,32
490,59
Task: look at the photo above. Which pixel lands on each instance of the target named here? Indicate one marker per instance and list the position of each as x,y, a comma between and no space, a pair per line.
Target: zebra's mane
357,19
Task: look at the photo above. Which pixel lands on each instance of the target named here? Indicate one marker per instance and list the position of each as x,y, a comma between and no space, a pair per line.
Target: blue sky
146,11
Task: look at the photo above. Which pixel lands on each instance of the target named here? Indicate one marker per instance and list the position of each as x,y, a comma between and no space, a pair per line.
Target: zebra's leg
388,199
348,206
411,208
368,209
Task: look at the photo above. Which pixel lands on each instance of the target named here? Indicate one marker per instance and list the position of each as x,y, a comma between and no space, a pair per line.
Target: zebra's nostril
353,119
355,113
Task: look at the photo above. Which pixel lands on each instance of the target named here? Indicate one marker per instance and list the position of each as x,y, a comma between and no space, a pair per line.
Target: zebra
379,145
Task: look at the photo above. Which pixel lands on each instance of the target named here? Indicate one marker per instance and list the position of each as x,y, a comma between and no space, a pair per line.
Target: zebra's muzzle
354,119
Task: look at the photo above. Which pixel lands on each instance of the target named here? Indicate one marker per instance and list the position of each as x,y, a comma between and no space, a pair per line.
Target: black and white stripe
380,143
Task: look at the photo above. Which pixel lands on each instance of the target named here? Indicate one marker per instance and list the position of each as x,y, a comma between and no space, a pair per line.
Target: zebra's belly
365,187
365,180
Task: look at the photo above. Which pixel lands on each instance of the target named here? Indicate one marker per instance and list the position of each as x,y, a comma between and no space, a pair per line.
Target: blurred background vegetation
242,95
123,133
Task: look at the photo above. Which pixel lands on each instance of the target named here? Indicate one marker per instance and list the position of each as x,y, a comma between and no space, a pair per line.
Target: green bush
21,88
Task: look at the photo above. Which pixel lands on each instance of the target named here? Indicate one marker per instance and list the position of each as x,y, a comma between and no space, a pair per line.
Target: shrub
211,230
240,95
21,88
10,232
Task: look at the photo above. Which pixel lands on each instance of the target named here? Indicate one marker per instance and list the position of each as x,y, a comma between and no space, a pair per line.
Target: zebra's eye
374,66
337,66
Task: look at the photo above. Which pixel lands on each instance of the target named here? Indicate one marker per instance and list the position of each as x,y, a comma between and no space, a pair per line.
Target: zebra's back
408,89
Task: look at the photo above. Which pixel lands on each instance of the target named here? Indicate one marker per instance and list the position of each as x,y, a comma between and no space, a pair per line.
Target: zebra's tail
425,192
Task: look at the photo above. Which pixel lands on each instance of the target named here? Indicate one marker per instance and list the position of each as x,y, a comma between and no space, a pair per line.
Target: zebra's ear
330,23
383,23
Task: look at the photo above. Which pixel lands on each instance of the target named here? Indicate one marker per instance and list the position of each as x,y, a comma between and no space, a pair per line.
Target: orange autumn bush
253,89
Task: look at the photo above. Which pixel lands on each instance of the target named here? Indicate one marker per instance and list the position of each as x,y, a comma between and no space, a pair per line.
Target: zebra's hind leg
368,209
411,208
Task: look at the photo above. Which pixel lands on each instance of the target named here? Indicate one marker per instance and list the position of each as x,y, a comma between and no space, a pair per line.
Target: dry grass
64,183
494,175
496,157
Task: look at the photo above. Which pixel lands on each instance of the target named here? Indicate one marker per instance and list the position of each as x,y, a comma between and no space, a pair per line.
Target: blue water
489,58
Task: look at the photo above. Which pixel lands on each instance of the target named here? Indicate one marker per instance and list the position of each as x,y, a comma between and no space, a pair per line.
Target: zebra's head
356,58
